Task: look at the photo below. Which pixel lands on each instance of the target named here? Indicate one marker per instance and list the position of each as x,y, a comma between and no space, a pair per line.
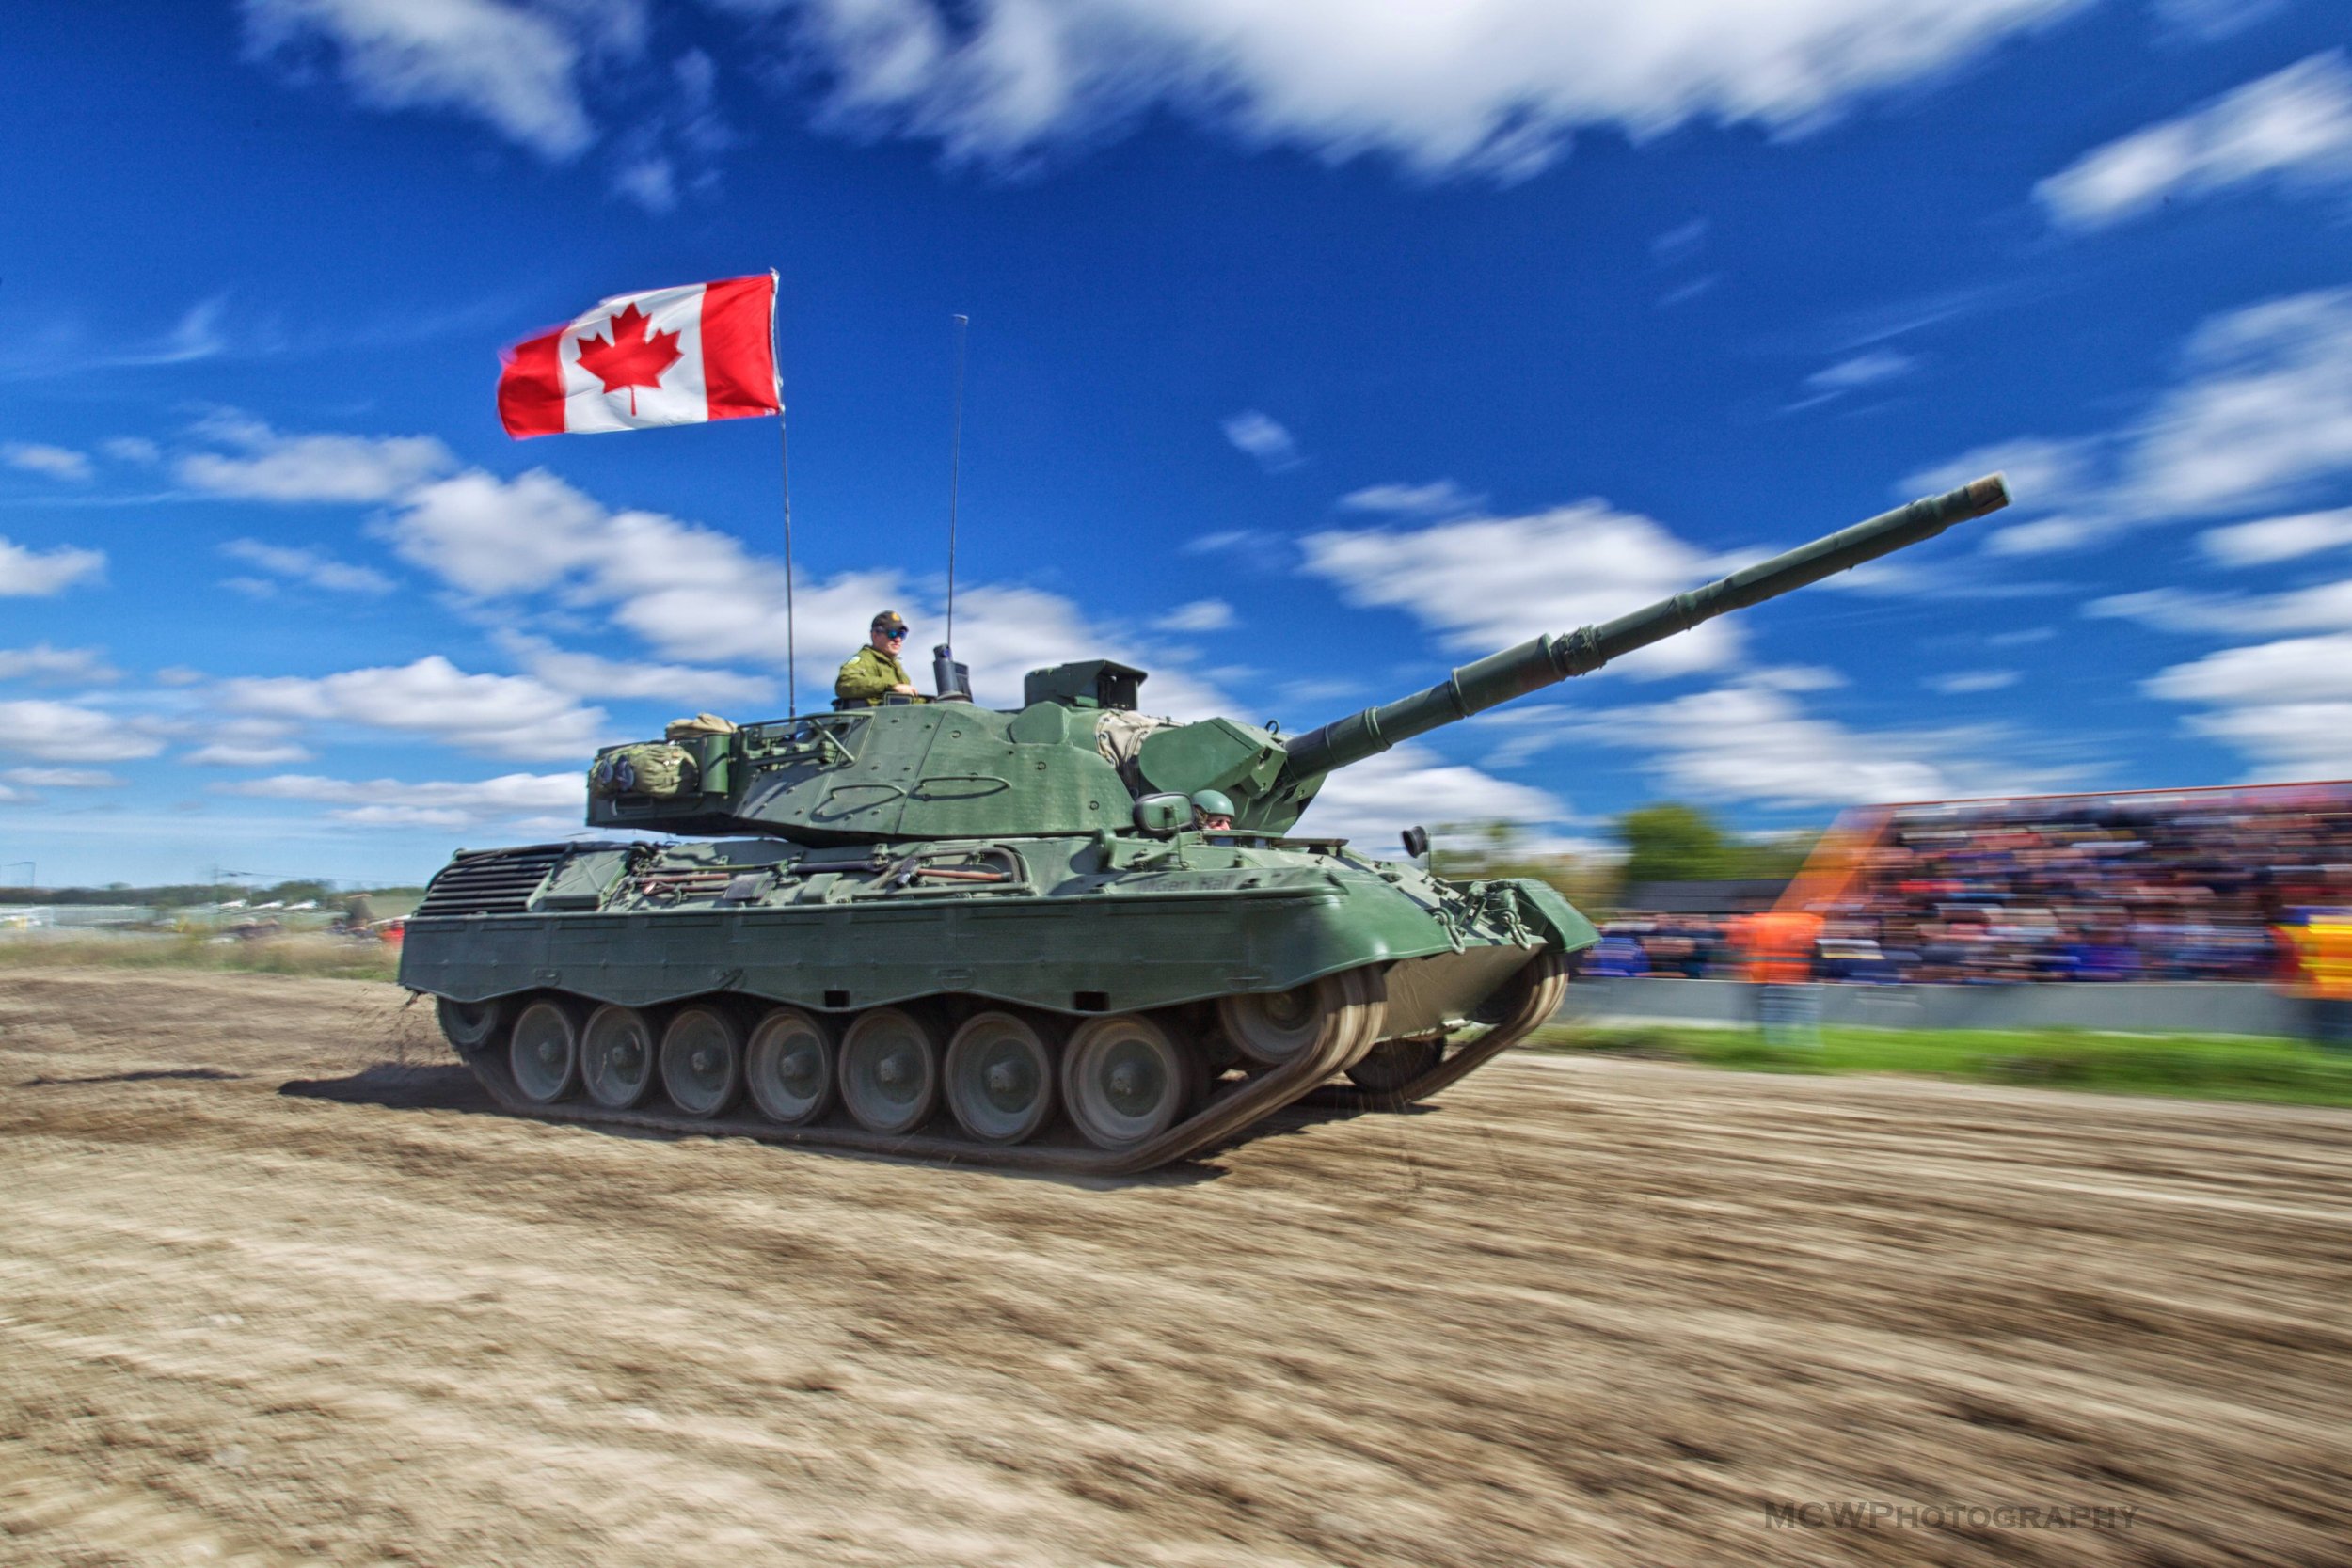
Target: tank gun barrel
1544,660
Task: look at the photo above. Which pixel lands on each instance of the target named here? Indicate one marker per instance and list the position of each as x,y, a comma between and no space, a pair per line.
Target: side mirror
1416,842
1163,814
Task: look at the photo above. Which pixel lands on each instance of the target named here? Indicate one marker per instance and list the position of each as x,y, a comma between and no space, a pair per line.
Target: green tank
941,930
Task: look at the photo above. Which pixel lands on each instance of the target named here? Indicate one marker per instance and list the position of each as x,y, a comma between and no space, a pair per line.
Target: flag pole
783,453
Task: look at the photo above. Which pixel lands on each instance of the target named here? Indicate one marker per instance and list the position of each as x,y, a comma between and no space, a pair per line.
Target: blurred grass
2206,1067
328,957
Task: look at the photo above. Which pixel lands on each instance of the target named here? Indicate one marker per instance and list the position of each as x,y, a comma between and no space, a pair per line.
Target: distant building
1719,895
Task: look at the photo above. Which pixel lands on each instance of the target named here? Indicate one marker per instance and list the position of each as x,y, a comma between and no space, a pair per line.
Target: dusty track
1584,1312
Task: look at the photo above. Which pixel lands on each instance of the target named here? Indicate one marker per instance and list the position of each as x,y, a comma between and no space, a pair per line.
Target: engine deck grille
499,882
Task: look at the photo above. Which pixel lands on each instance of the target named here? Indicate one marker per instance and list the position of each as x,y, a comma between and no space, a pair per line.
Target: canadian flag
664,357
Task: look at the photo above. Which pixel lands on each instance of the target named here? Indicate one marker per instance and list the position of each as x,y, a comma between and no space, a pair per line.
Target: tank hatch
1103,683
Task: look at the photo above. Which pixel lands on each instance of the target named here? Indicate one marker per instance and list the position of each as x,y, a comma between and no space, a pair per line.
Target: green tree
1671,842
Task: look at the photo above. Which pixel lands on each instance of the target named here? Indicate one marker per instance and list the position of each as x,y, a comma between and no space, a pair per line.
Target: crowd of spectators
2191,886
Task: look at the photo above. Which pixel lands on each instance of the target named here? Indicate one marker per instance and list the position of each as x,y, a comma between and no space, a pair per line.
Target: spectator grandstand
2196,884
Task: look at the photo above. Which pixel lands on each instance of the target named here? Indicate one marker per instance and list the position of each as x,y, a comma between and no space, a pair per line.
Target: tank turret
1075,757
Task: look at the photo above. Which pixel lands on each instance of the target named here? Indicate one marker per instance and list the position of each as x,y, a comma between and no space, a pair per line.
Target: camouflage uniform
865,680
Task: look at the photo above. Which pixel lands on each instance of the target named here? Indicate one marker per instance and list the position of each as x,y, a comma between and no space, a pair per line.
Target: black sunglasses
899,636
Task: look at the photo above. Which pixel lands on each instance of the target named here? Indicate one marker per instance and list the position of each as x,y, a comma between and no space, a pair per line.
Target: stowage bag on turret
657,768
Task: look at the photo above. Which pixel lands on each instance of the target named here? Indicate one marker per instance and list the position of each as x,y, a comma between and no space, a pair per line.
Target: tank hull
1068,932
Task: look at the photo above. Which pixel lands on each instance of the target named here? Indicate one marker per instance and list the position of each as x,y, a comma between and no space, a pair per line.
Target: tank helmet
1211,803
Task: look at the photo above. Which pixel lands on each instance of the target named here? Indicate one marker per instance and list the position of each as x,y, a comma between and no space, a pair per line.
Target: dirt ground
276,1285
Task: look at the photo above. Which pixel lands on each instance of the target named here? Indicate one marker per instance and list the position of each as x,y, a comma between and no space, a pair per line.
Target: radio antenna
954,478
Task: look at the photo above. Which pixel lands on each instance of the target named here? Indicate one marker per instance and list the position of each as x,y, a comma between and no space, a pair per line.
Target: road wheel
616,1058
890,1070
1000,1078
469,1026
702,1061
544,1054
1273,1027
1392,1064
1125,1079
789,1066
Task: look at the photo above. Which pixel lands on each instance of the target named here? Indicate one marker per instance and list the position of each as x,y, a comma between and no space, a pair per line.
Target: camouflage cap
889,620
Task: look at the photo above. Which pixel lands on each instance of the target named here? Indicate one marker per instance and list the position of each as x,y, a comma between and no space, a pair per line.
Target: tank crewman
873,674
1212,812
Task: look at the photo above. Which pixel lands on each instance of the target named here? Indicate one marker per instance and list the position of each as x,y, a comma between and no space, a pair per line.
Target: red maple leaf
633,355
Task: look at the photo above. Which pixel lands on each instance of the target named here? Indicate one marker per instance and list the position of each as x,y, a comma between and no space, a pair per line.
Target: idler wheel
1125,1079
1000,1078
789,1066
702,1061
890,1071
1392,1064
616,1058
1272,1027
544,1054
468,1026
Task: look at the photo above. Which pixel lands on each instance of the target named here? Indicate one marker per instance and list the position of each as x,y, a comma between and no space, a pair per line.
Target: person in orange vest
1777,946
2322,946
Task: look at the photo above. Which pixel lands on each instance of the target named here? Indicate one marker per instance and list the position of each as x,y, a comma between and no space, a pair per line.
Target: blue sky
1314,348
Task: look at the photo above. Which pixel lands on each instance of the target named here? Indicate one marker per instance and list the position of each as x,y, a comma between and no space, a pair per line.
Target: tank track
1519,1017
1233,1107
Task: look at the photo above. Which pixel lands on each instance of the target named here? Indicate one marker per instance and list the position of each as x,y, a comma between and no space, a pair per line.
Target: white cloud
2295,127
591,675
56,665
649,182
510,716
1685,294
56,462
2267,406
1487,583
247,741
30,574
2287,705
1262,438
314,568
1439,498
514,66
2271,539
1199,615
267,466
2260,412
1962,682
130,449
1863,370
62,778
248,754
2043,473
2049,535
691,592
400,803
1681,242
2208,20
2324,607
1379,798
66,732
1496,87
1752,740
